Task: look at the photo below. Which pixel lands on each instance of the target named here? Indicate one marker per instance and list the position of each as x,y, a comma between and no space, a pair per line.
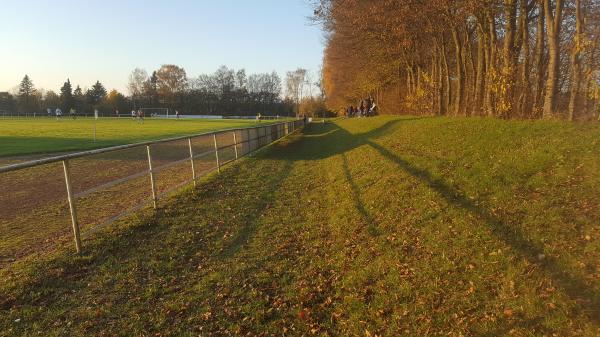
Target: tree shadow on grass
251,222
357,199
53,281
573,285
320,141
323,141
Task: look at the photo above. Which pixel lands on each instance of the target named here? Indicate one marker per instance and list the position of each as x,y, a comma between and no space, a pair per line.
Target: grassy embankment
46,135
383,226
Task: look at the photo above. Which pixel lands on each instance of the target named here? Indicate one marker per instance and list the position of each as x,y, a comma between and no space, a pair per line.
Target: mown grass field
381,226
46,135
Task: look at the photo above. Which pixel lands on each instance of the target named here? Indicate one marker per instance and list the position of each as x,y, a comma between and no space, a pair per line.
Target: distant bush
315,107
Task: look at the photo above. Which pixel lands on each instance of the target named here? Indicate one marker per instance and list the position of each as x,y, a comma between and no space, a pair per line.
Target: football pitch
19,137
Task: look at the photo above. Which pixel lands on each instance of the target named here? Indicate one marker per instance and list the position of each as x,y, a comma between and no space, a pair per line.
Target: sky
105,40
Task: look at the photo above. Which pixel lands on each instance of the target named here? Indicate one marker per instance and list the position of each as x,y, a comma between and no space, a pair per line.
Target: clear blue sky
106,39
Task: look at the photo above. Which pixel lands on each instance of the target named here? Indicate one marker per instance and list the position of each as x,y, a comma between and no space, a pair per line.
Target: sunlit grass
44,135
382,226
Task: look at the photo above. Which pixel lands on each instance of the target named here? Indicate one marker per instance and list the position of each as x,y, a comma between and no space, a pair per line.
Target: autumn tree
464,57
171,82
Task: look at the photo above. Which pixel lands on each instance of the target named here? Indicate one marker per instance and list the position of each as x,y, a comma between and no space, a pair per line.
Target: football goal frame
149,112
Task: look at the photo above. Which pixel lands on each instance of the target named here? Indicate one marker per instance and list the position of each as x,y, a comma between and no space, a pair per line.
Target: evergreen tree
66,96
78,92
79,99
96,94
7,101
26,95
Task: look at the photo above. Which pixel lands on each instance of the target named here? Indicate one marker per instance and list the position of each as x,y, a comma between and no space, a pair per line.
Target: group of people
367,108
58,113
137,115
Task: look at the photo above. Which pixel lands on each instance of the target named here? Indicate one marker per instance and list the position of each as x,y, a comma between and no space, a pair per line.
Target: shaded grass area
45,135
380,226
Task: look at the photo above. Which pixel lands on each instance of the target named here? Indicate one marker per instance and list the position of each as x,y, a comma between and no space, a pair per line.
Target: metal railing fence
92,189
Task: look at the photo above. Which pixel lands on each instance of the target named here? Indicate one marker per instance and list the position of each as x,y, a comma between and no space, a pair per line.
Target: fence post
192,161
152,185
72,206
217,152
286,128
249,140
235,144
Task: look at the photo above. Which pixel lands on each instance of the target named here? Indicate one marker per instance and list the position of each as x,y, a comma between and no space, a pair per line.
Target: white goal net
157,112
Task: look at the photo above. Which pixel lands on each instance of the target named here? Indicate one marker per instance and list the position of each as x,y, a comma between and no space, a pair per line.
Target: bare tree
137,79
294,84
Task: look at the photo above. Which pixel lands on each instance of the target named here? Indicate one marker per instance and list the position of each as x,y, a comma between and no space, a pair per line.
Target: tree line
224,92
29,99
503,58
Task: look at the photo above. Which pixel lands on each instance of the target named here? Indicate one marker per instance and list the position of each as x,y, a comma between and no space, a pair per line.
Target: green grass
380,226
34,136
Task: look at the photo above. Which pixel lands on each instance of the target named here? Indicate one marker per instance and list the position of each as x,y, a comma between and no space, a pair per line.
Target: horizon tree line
224,92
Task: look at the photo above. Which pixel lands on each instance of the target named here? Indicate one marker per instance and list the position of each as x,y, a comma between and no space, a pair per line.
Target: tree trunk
470,75
447,96
440,78
459,75
490,104
576,61
538,84
408,82
480,76
553,25
508,69
524,96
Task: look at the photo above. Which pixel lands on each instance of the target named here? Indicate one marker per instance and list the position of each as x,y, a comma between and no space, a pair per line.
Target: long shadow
573,285
251,226
320,141
117,245
356,197
323,141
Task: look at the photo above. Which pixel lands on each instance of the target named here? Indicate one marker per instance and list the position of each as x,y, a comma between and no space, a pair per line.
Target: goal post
156,112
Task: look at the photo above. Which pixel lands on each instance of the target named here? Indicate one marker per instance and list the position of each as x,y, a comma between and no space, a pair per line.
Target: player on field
140,116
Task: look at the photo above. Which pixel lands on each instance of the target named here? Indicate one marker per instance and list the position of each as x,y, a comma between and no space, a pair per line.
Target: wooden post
72,207
235,144
217,152
285,128
192,161
152,183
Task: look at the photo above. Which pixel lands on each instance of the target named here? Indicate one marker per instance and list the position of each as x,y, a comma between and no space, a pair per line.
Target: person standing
140,116
373,109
